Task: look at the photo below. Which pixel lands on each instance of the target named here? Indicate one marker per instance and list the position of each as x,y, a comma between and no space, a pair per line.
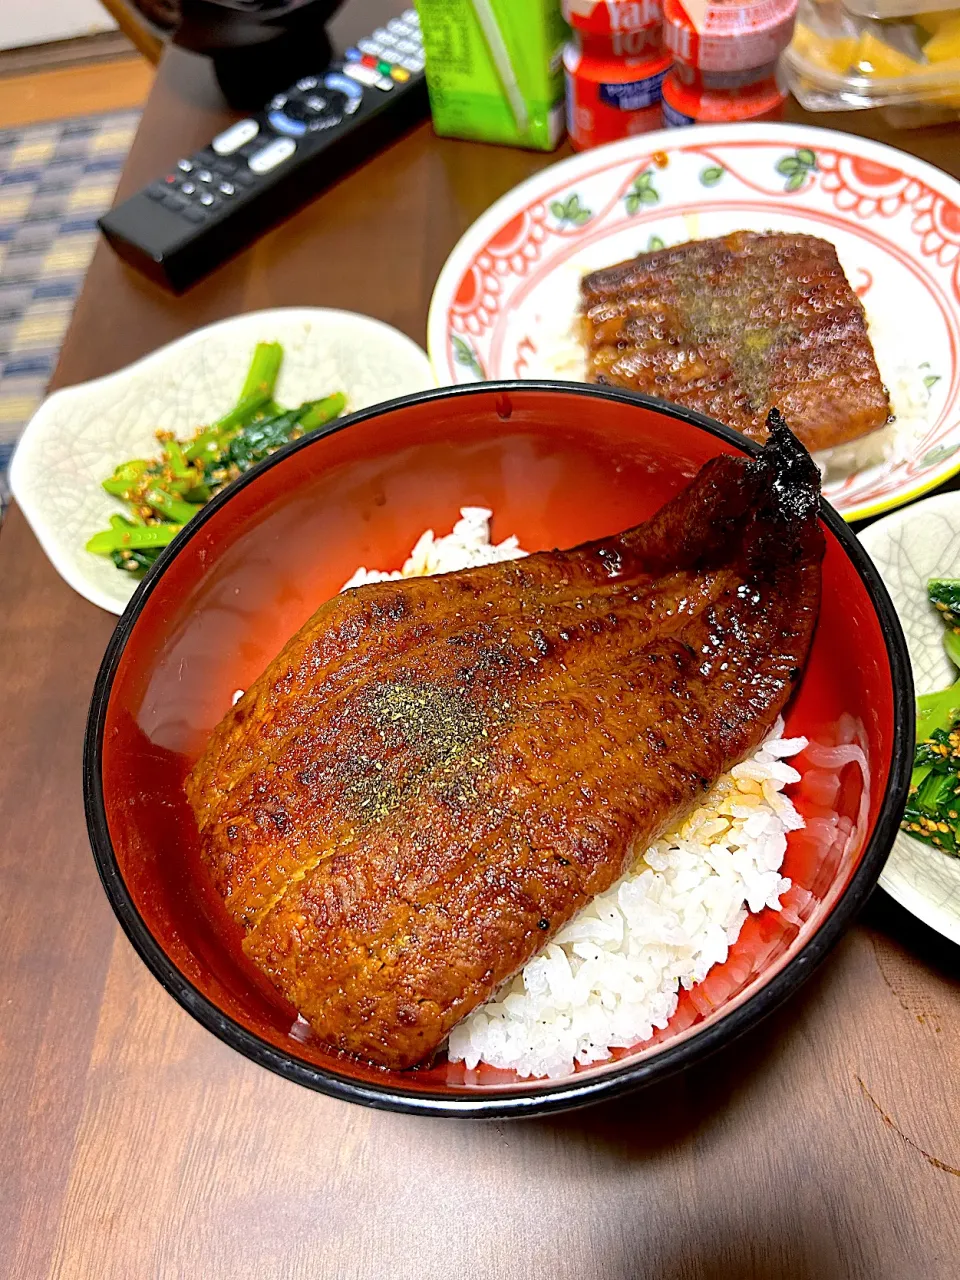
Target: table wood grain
133,1144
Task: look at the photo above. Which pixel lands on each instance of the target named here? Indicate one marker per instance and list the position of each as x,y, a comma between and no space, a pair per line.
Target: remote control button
171,179
325,122
352,54
277,102
369,60
366,46
338,83
385,84
307,83
383,68
381,33
361,73
408,47
193,214
411,16
156,190
411,64
172,201
237,136
204,175
227,189
187,188
316,105
396,25
185,166
208,200
273,154
283,124
400,75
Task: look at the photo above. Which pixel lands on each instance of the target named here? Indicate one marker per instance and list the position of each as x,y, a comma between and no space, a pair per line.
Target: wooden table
133,1144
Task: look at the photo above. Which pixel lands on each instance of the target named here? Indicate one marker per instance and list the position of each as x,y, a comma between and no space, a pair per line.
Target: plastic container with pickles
902,56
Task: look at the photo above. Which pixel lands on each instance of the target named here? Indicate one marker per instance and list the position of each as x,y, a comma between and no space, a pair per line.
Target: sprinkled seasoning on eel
734,326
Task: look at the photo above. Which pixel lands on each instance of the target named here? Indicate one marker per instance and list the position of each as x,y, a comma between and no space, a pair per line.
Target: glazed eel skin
734,325
435,774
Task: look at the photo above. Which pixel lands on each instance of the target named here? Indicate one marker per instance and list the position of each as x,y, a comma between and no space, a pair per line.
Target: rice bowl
558,464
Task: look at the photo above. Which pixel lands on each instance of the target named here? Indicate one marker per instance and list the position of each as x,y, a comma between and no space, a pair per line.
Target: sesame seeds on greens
162,494
932,813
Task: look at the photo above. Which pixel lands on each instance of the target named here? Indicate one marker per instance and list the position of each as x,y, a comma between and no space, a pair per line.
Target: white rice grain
465,547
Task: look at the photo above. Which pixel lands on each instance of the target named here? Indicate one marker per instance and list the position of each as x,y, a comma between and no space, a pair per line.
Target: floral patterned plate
908,548
505,302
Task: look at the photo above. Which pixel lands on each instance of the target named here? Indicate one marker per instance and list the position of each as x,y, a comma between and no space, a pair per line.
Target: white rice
465,547
612,976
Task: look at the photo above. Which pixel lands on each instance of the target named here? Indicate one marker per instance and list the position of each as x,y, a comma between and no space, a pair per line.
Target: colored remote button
343,84
283,124
400,75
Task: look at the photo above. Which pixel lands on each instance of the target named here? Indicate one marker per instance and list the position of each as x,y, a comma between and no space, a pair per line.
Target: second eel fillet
435,774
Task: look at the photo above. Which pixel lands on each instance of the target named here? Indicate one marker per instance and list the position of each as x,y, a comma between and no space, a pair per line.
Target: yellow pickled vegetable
932,22
946,43
837,53
874,58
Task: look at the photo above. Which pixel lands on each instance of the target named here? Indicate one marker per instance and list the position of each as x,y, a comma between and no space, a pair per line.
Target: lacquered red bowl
558,464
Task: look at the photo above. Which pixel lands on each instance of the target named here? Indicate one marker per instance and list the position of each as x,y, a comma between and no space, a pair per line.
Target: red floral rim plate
505,301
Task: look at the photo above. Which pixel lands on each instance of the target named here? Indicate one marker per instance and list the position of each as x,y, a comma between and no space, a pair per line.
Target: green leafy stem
796,167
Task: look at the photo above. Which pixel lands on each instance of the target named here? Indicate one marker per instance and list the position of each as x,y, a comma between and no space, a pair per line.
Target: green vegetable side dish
163,493
933,806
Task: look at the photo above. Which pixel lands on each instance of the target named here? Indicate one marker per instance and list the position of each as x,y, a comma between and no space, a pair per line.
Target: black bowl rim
574,1091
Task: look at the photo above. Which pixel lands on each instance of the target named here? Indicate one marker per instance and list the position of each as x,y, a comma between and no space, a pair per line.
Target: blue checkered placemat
56,179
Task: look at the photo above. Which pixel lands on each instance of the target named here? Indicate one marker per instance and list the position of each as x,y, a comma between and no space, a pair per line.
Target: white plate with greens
911,547
79,435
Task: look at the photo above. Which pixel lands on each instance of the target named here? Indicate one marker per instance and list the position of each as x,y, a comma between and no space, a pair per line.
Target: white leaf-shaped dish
908,548
79,434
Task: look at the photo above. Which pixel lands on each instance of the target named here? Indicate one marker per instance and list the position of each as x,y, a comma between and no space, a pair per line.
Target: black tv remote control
212,204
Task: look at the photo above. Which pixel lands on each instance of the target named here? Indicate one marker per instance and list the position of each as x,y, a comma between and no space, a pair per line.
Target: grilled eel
735,325
435,774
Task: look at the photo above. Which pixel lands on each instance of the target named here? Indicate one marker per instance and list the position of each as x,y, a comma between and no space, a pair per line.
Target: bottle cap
728,37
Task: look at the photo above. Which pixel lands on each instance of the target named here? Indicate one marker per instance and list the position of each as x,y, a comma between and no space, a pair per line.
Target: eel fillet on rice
435,774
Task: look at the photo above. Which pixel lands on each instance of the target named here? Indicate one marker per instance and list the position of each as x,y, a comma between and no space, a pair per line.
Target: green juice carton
495,70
